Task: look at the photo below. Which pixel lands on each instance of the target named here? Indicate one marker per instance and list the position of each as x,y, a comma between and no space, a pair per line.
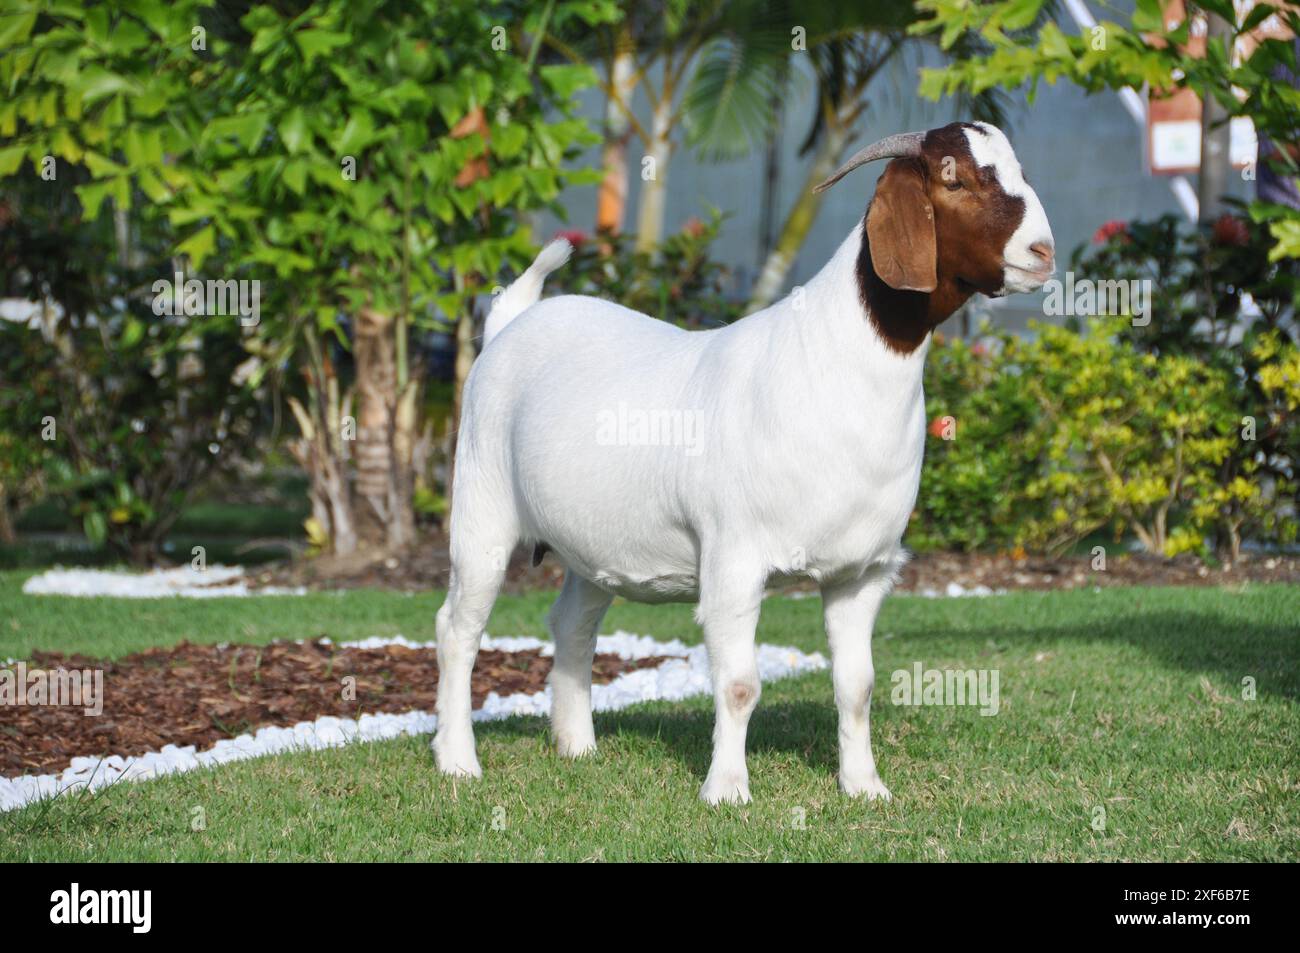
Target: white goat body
807,439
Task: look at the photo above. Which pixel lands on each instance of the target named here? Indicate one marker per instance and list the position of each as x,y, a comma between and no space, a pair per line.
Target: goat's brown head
952,215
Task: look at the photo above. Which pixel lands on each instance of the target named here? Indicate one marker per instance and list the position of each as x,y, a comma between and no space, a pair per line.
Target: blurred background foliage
378,167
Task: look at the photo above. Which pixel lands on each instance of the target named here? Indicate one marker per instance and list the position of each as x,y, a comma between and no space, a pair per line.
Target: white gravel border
673,680
183,581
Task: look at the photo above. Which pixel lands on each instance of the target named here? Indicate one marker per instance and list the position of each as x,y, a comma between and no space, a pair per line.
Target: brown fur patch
740,695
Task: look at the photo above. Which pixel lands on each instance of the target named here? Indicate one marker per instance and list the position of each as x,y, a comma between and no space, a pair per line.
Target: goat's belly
670,587
653,585
662,571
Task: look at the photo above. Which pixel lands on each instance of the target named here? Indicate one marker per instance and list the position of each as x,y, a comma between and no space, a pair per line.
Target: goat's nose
1044,250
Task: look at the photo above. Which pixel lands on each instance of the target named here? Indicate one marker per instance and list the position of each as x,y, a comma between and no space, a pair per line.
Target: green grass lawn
1129,700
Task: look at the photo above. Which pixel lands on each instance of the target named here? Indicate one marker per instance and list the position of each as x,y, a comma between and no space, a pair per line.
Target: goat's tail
525,290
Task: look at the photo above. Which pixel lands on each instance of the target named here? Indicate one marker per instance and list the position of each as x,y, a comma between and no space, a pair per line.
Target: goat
809,428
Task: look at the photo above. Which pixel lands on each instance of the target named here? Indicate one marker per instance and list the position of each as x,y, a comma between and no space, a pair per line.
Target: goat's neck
858,312
902,319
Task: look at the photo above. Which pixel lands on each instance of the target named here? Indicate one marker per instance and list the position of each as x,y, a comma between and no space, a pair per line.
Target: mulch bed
933,571
198,694
427,566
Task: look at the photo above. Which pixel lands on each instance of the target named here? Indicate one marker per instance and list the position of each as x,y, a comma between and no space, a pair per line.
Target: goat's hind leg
573,622
476,577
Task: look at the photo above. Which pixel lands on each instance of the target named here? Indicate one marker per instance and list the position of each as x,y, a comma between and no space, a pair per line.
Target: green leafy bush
983,442
1134,442
1219,300
115,413
1041,443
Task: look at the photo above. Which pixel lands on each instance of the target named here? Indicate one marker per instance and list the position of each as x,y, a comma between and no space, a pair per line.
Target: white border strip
673,680
182,581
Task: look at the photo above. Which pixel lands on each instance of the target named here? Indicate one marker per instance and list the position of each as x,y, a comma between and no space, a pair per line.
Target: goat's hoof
870,787
576,747
725,789
457,760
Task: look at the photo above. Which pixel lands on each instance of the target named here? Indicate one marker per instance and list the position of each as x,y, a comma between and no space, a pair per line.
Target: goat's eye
953,186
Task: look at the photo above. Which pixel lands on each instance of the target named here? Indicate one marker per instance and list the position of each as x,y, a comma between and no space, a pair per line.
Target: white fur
526,289
804,461
1024,269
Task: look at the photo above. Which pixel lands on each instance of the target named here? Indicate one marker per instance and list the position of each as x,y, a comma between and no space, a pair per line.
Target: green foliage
1054,439
1201,280
984,438
346,155
110,88
263,127
135,423
1134,441
678,282
1219,299
1024,48
24,410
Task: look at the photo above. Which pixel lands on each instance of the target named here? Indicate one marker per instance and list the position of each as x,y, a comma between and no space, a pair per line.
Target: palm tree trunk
323,452
771,174
7,533
654,190
794,232
1216,163
611,206
385,434
401,493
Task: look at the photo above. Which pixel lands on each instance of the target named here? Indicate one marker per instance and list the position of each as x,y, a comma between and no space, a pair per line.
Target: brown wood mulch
198,694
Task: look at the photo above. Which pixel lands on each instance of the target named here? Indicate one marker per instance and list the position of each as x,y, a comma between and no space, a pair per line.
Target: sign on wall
1174,119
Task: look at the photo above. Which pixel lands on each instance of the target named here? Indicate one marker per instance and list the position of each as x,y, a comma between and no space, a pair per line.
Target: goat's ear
900,228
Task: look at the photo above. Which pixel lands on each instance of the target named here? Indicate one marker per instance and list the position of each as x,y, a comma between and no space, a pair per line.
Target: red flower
573,236
1110,230
979,349
1230,230
693,227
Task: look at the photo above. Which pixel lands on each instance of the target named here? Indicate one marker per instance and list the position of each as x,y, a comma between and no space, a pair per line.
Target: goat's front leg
850,612
730,597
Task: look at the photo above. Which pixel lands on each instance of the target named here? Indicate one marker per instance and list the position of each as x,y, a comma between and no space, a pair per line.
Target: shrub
982,449
1203,281
1133,442
1217,299
142,409
1041,443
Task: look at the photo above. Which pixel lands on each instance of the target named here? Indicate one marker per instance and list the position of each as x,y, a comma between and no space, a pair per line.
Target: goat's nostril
1044,250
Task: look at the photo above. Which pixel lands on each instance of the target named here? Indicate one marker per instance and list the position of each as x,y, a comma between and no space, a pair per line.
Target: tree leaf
316,41
15,29
295,175
10,159
294,131
199,245
565,79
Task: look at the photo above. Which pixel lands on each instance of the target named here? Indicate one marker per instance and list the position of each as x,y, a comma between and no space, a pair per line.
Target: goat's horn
897,146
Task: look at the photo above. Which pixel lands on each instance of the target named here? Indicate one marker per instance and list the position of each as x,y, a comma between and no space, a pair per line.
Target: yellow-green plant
983,448
1133,441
